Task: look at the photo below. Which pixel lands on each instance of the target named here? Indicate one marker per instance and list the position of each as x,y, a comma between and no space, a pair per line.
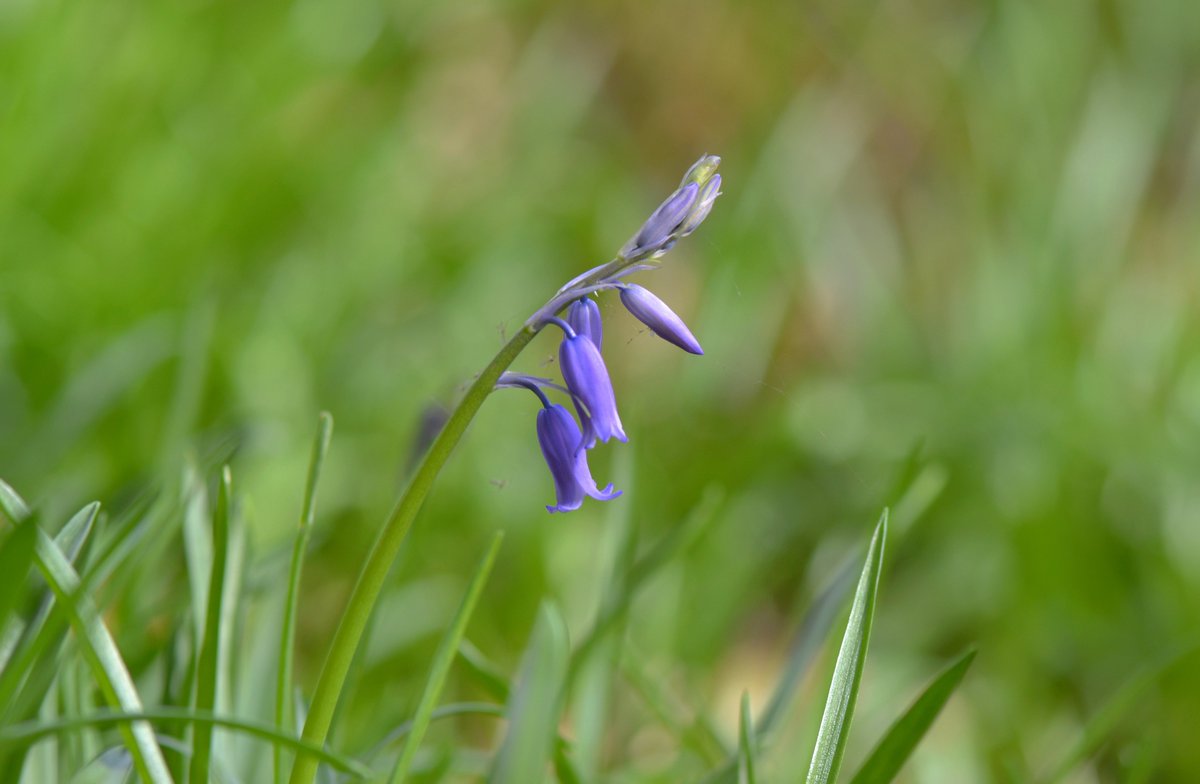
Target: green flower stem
383,552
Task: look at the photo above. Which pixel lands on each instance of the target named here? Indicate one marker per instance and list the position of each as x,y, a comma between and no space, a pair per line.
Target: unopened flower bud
657,233
708,194
662,321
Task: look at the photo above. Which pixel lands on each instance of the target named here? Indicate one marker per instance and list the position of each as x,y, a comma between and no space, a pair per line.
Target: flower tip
662,321
702,170
608,494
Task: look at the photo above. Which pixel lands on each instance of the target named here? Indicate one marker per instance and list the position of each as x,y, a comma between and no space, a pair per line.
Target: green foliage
847,672
534,705
746,742
446,652
954,273
902,738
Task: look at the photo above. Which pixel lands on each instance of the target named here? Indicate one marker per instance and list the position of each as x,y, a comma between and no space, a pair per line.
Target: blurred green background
954,271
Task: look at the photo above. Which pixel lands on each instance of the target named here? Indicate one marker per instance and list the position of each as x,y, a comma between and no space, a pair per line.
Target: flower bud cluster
564,443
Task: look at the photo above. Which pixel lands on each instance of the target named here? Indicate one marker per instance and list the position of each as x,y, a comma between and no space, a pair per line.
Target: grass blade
534,708
16,557
813,631
13,506
847,672
33,731
897,745
287,638
112,677
592,676
207,660
99,649
746,740
486,672
442,712
37,656
446,653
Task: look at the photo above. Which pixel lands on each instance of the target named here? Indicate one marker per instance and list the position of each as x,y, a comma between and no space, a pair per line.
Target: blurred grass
964,232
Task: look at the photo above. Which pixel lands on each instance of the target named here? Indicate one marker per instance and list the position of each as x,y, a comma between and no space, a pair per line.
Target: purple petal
584,318
658,228
654,313
559,437
704,204
587,378
558,434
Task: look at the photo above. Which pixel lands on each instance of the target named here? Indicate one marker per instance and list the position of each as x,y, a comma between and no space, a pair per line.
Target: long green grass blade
813,631
746,743
446,653
441,712
108,668
359,608
12,504
16,558
534,708
99,649
287,637
33,731
847,672
36,658
897,745
487,673
207,660
591,677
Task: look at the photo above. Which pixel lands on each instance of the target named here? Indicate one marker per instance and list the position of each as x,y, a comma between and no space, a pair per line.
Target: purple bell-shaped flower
587,378
559,438
584,318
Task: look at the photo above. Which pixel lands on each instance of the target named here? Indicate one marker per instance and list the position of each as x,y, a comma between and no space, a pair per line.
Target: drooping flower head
564,443
662,321
559,438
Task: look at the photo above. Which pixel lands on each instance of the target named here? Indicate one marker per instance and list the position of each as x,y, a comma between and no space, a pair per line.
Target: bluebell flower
657,233
584,318
587,378
662,321
559,438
